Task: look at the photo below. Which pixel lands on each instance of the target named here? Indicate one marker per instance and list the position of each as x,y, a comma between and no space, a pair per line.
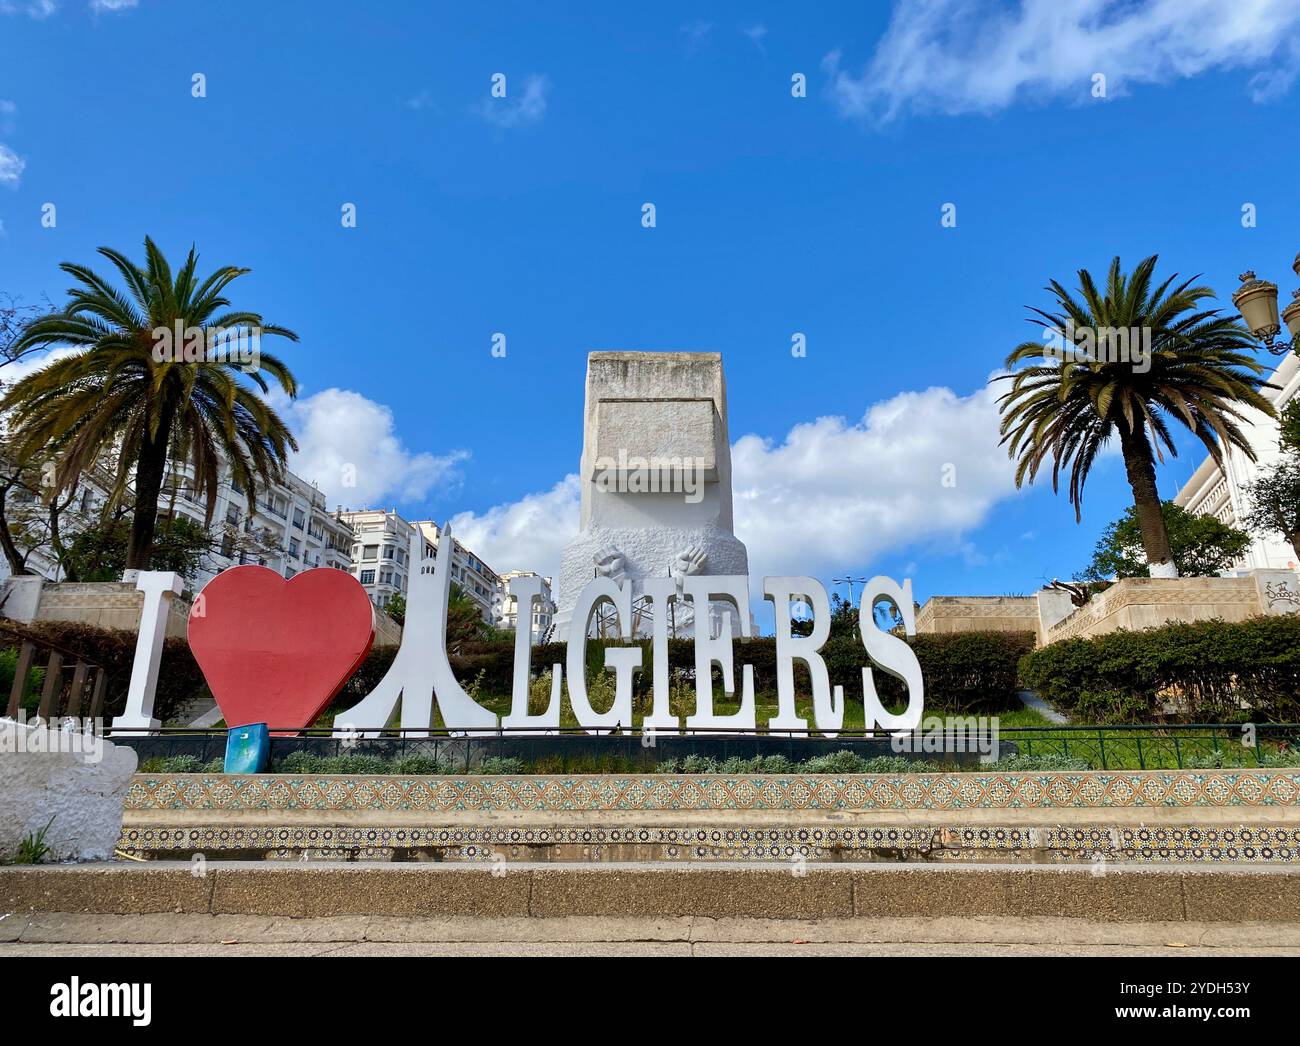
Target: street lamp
1256,300
850,580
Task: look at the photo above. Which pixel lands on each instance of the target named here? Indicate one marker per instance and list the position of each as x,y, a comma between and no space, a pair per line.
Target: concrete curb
1125,893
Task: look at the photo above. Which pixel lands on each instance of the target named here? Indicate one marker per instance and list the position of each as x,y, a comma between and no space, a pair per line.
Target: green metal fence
1172,746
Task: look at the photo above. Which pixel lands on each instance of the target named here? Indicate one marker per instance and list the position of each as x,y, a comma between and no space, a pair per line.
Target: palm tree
1067,403
116,396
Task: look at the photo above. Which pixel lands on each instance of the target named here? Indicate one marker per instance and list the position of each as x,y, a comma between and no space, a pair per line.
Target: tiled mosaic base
1241,843
563,818
1090,790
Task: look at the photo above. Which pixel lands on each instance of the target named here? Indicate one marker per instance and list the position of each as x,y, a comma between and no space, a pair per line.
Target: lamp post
850,580
1256,300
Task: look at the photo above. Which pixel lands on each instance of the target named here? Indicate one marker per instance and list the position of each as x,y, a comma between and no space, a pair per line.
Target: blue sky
775,215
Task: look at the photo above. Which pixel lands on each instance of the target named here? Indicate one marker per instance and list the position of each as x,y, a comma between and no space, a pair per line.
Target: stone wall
387,631
117,605
978,614
1139,602
104,604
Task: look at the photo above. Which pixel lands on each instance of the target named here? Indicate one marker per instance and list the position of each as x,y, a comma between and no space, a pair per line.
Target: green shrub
300,762
419,764
1038,764
1210,671
841,762
355,764
498,765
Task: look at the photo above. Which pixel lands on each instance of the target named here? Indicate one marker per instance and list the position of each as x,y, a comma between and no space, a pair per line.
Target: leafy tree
844,619
1201,545
1273,499
396,608
1199,373
1274,502
1290,427
14,316
115,397
98,553
465,623
14,477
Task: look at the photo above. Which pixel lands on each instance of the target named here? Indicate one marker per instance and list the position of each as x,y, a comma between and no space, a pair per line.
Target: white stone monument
656,484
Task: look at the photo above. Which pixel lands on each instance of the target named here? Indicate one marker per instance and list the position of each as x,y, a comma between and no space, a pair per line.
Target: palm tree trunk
149,472
1140,465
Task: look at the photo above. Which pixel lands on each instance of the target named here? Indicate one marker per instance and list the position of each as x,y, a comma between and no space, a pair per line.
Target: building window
293,547
388,552
370,552
299,520
367,577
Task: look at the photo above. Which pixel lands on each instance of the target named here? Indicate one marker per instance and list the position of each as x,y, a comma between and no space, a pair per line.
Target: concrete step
189,713
1124,893
170,934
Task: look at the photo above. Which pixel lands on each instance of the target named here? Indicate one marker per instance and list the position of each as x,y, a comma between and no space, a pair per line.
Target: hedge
1206,671
963,671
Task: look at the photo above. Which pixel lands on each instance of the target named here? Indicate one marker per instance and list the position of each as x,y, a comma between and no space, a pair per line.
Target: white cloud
831,496
34,8
518,110
11,167
7,112
960,56
529,534
696,34
12,373
338,428
756,33
421,101
837,496
113,5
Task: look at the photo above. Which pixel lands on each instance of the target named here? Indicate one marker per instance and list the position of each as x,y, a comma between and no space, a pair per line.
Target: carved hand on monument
689,561
610,563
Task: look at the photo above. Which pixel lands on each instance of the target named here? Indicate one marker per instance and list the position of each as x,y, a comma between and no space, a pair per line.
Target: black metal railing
1118,747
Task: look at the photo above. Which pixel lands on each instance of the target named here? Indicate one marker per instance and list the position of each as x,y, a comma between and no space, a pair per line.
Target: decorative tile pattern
732,842
1088,790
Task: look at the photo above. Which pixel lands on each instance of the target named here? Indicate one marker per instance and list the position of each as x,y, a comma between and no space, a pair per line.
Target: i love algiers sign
277,652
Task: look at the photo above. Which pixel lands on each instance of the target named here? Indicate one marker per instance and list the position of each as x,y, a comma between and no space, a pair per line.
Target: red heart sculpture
276,651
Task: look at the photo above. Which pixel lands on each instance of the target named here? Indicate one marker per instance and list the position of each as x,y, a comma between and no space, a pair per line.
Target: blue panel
247,749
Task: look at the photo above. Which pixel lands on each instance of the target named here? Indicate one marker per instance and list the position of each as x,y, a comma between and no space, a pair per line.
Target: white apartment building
289,529
543,610
381,550
1216,491
475,578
